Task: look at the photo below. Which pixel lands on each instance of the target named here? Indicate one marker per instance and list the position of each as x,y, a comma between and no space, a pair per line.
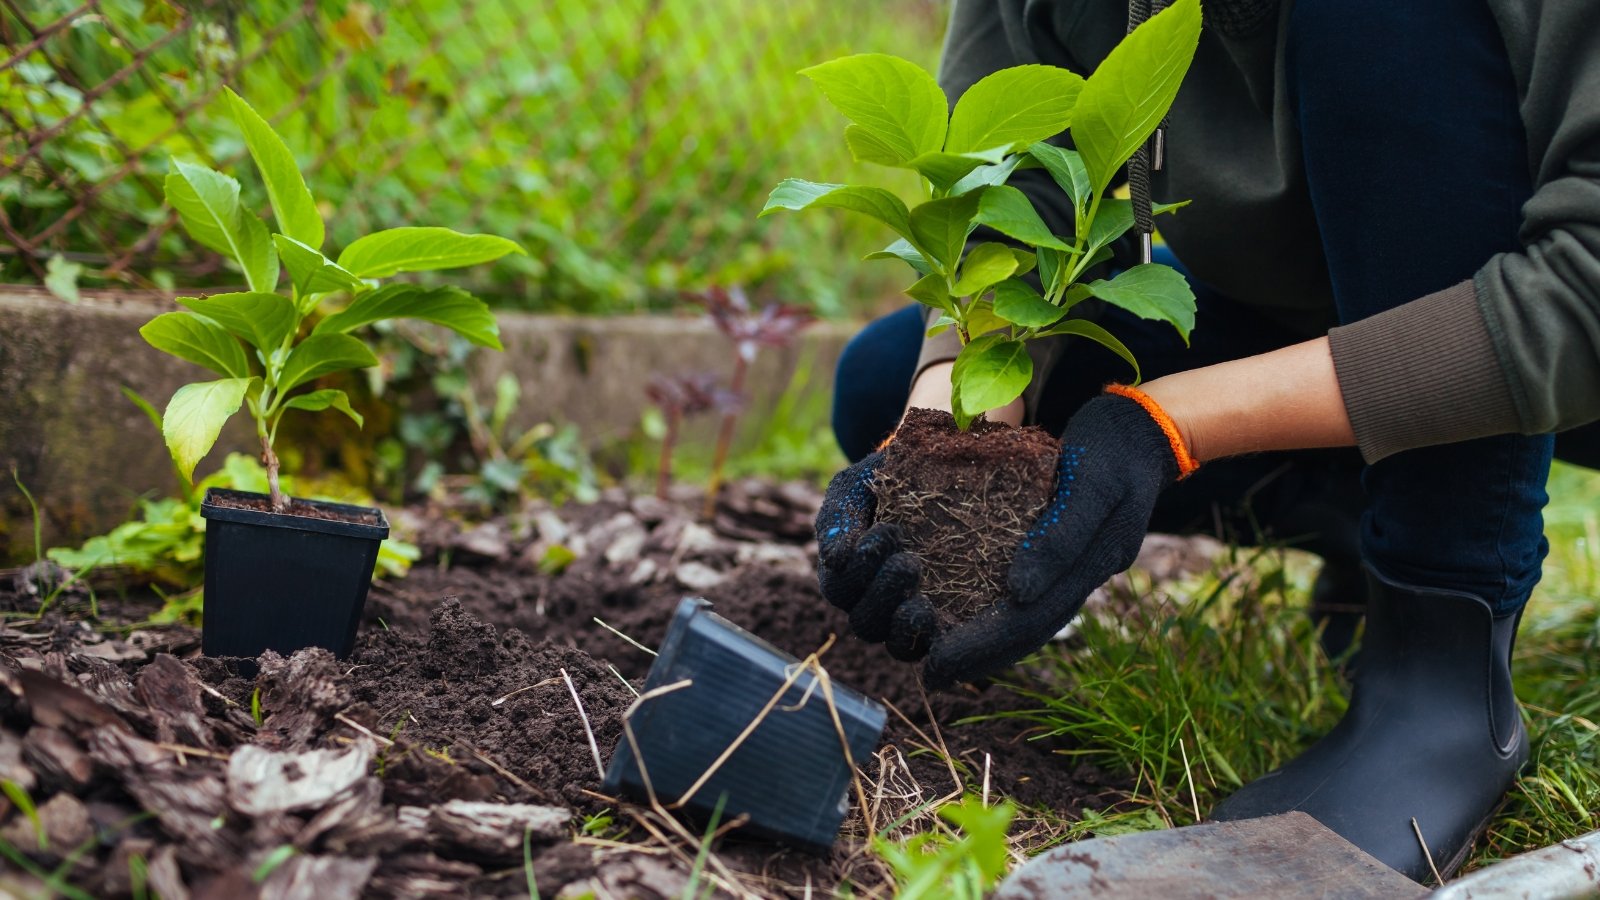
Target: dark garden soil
964,499
415,767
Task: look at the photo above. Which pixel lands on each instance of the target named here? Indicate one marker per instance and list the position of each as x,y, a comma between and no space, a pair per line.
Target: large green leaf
934,291
449,306
1066,168
311,272
1087,329
985,265
262,319
865,146
198,340
940,227
1130,92
902,250
321,354
195,417
1008,211
314,401
897,102
207,202
1114,217
980,318
1017,302
421,249
1052,267
795,193
983,176
292,203
1151,291
990,372
1013,107
943,170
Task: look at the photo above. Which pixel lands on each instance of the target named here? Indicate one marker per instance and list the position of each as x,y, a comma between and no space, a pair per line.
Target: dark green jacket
1515,349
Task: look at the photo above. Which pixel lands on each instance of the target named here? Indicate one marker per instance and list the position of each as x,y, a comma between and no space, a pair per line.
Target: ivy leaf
991,371
195,416
877,203
985,265
1014,107
198,340
207,202
311,272
263,320
414,249
1132,89
1017,302
897,102
1151,291
1087,329
322,354
902,250
940,227
292,203
1067,169
324,399
448,306
1008,211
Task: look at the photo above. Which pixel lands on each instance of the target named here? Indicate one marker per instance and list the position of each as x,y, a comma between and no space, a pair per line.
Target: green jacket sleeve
1517,348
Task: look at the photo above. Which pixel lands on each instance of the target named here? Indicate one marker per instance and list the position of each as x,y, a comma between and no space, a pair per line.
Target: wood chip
263,781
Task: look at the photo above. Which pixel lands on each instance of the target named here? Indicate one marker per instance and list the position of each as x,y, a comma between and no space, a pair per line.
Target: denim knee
873,380
1463,517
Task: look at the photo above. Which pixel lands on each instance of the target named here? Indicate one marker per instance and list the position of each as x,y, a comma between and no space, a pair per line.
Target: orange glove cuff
1187,464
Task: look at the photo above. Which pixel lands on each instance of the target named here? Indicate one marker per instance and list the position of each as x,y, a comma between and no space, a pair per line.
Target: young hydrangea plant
901,118
258,339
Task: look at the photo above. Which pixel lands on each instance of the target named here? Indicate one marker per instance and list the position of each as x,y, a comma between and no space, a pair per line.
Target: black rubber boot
1433,733
1338,602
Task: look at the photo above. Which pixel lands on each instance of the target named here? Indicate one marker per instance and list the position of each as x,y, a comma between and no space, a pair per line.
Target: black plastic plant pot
789,775
286,581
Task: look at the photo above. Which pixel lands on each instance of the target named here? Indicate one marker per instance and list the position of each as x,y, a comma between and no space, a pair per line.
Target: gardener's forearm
1288,399
931,390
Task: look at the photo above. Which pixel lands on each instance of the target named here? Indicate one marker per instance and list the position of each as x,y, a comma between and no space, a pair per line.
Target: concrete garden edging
87,453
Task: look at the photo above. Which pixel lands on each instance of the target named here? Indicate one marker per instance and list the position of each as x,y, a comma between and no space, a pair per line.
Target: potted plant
727,721
283,573
966,489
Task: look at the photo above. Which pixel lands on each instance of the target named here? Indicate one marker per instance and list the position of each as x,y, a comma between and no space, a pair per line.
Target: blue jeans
1417,168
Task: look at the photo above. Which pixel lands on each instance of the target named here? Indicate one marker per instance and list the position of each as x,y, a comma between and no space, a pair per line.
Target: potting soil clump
964,501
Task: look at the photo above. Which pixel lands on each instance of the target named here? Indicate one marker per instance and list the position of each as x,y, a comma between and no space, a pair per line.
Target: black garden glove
863,569
1118,452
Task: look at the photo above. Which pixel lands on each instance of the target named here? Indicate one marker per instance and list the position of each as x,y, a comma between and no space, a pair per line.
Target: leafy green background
626,144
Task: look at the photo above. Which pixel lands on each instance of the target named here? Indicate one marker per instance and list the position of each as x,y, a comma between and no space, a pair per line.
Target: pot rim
371,531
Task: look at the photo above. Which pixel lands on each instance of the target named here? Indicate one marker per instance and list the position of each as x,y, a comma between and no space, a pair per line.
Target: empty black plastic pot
284,582
789,775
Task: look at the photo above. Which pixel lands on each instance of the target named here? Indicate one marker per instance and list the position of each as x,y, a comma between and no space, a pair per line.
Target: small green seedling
902,119
939,864
258,339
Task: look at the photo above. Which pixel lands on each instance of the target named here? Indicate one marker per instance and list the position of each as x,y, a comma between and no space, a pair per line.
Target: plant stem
280,503
664,470
724,440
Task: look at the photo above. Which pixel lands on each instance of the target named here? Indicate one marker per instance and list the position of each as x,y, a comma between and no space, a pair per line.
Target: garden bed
152,765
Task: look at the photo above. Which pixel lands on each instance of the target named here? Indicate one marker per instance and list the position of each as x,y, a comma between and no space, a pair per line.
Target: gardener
1395,245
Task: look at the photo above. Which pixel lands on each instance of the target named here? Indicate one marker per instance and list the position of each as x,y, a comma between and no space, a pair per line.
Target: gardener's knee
873,380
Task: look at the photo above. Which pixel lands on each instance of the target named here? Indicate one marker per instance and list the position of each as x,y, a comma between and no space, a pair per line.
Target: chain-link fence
627,143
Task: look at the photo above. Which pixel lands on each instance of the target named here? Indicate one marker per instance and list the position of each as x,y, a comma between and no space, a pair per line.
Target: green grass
1201,686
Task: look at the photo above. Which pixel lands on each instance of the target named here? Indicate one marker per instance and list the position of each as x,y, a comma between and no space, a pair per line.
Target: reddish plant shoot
774,325
680,397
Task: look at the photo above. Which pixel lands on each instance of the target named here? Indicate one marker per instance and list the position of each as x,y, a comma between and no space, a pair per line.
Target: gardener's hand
1117,454
863,569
